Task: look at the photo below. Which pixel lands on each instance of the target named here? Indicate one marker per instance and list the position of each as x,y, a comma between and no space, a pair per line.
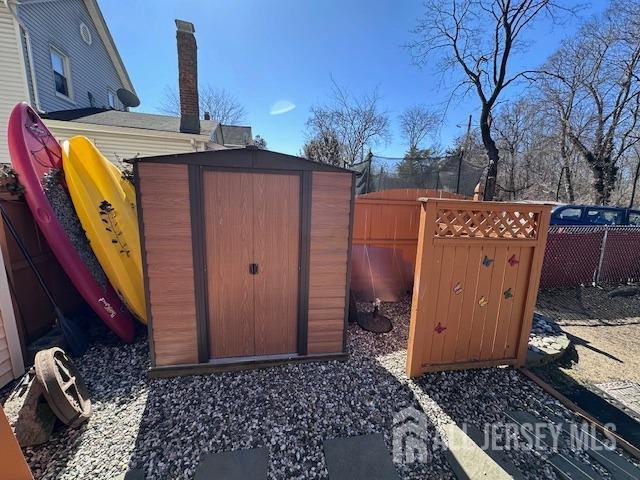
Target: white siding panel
11,361
118,146
13,86
6,369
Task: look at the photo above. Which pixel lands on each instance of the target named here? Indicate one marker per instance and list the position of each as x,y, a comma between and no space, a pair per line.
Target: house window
111,99
61,77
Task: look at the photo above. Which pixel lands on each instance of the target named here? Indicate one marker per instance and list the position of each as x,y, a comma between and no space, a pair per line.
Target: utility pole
464,150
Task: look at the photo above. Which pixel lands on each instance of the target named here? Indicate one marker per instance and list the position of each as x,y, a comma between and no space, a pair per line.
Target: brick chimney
188,77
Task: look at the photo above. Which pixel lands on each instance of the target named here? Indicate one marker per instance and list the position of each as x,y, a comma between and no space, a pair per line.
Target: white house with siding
59,56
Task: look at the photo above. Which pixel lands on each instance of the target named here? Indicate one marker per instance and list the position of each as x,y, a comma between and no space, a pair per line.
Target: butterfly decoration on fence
513,261
483,301
508,293
457,288
439,328
486,261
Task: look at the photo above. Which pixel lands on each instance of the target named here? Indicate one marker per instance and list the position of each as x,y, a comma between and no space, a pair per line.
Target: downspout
36,100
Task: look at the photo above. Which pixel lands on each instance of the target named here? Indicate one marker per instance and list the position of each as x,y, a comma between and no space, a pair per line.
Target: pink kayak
36,155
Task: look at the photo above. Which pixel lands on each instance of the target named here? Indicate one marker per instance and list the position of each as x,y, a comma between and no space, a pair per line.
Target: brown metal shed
246,257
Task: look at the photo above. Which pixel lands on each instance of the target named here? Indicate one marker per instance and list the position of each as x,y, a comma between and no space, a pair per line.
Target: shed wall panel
164,194
328,257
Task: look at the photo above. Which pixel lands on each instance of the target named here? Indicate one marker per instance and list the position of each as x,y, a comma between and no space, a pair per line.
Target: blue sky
268,51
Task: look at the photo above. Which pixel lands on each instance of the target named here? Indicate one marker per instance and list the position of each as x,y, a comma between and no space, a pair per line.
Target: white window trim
67,69
115,99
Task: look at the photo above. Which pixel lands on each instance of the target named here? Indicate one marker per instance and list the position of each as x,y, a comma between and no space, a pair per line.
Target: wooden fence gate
476,282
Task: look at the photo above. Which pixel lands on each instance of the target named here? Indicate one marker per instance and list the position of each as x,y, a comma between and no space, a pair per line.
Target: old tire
63,386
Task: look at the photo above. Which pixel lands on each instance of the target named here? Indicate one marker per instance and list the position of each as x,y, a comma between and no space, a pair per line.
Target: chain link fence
588,255
451,173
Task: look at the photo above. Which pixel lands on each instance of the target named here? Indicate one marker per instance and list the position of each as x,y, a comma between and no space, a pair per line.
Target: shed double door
252,235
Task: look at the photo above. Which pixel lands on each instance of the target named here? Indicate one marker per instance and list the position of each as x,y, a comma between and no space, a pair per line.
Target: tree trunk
564,153
569,184
636,174
604,173
512,178
492,154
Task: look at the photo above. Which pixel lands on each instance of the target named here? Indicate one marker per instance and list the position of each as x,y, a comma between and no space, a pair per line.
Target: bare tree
217,102
593,80
527,143
476,39
635,176
557,100
356,122
416,123
512,125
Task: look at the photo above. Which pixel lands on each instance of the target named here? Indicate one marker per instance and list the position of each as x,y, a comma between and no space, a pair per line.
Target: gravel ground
163,426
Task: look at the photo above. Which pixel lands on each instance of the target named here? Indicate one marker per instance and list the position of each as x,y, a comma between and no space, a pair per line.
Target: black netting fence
451,173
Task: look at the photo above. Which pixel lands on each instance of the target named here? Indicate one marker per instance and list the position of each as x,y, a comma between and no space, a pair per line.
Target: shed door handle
253,268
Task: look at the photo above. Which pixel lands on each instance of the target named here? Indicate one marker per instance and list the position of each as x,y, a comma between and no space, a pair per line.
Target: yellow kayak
106,206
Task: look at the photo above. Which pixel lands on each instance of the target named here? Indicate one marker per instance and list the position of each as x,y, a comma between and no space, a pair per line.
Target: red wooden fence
385,238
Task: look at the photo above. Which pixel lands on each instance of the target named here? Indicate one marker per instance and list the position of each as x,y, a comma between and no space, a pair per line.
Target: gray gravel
164,426
66,214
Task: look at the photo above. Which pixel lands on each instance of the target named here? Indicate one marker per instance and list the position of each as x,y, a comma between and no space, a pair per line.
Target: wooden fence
476,282
385,239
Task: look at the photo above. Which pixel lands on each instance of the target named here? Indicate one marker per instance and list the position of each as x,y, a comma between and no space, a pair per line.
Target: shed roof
249,157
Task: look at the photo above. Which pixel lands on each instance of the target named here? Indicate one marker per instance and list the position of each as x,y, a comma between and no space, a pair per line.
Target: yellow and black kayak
106,205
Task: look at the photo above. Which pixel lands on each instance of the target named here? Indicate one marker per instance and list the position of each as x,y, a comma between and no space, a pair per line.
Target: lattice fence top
486,223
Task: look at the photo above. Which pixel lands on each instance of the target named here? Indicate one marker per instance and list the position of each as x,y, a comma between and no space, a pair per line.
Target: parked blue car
594,215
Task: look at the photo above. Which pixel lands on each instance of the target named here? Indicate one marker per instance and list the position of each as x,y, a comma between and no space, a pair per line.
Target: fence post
534,286
603,246
422,285
478,193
